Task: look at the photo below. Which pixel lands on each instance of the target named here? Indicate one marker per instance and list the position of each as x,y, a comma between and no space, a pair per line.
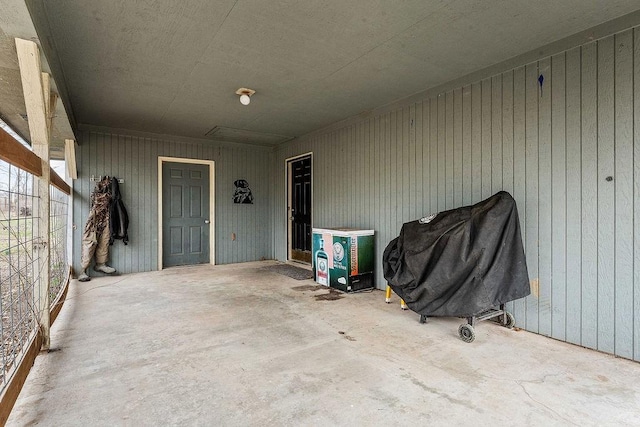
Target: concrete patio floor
239,345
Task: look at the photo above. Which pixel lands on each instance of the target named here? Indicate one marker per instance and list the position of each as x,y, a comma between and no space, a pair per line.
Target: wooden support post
70,157
37,99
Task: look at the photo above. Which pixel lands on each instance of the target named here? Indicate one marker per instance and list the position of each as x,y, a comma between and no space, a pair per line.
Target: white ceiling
173,67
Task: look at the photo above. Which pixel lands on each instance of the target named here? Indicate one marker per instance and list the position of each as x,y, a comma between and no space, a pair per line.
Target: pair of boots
103,268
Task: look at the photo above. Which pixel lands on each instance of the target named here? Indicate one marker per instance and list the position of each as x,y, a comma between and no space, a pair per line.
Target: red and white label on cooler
322,272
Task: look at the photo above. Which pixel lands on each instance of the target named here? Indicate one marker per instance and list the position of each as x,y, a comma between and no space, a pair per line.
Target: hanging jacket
119,218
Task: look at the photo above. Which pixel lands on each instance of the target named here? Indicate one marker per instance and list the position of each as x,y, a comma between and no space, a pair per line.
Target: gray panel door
185,214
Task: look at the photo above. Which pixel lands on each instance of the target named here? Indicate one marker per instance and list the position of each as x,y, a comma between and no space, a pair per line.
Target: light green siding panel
346,195
394,185
448,142
531,203
426,157
467,159
545,190
486,114
507,141
129,148
145,198
343,159
442,152
383,231
476,142
589,231
364,178
416,183
558,187
433,154
519,166
497,169
408,171
623,184
606,195
507,132
401,147
368,173
635,317
337,175
353,174
457,150
420,188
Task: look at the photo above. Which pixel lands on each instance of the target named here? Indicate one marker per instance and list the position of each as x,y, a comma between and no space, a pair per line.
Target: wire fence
20,298
59,270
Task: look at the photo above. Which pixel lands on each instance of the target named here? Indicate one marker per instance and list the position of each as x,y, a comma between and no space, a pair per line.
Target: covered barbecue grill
466,262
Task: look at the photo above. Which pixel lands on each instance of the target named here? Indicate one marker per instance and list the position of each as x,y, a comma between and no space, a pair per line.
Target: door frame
212,210
287,199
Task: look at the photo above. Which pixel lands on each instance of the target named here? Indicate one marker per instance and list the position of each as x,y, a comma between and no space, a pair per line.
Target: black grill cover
462,262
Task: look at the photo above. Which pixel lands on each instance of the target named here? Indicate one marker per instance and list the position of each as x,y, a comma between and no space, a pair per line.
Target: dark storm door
300,209
185,214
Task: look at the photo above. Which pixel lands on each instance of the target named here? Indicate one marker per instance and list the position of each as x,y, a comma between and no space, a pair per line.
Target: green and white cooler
343,258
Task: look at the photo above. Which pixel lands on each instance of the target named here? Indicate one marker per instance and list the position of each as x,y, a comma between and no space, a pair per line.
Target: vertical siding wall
135,159
569,152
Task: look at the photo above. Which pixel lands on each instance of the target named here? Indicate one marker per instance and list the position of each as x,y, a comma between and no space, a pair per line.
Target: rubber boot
104,268
84,277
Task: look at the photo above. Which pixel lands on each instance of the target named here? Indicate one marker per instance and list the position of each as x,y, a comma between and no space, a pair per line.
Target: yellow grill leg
388,295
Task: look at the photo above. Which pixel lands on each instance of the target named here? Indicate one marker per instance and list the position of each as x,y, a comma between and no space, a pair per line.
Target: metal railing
21,300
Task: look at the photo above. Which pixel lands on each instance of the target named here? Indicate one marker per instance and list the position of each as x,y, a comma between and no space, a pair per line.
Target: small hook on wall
541,81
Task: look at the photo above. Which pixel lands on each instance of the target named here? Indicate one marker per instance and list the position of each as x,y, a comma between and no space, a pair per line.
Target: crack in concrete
519,382
437,392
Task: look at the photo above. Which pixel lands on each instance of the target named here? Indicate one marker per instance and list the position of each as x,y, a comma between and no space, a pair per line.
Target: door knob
206,221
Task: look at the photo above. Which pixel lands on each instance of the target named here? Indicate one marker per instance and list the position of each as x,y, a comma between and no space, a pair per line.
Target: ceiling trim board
174,138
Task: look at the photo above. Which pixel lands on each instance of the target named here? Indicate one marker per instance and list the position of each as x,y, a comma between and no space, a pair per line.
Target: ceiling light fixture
245,95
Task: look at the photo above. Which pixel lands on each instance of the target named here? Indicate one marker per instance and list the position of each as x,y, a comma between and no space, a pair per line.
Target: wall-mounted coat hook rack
98,178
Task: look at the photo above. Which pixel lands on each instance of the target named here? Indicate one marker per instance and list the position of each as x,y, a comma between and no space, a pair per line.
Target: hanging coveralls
95,238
